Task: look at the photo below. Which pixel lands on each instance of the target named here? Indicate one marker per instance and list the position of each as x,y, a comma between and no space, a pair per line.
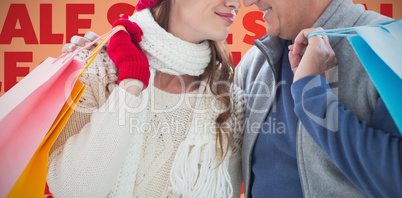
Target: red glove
126,54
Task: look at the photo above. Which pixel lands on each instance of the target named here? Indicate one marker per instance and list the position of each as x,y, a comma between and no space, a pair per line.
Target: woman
173,130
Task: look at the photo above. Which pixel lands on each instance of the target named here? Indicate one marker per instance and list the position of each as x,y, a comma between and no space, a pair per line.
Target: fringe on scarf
196,171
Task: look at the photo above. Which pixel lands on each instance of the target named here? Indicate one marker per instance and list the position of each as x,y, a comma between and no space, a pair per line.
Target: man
310,135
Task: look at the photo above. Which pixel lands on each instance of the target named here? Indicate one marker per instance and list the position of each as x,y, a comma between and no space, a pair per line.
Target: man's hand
311,57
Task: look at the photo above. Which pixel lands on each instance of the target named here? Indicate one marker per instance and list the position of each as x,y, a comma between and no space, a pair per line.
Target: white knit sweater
119,145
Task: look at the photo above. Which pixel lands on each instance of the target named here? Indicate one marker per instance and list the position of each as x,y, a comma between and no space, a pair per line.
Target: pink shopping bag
29,109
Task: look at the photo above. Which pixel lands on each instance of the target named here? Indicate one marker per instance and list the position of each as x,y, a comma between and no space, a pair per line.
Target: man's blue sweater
274,165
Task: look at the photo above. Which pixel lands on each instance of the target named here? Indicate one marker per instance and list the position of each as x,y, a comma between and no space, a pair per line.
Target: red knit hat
143,4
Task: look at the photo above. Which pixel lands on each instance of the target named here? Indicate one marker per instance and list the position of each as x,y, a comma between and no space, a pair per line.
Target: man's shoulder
371,17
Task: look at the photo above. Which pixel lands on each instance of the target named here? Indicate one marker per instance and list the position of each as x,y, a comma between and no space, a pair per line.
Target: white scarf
194,170
168,53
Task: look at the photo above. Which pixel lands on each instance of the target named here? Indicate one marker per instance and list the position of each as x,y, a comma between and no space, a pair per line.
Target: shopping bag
32,181
379,48
30,108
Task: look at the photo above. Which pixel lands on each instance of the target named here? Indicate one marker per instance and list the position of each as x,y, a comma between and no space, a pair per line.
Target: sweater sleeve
89,162
99,78
238,116
369,156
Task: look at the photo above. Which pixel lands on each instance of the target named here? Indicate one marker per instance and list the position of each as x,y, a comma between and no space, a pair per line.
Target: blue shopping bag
379,48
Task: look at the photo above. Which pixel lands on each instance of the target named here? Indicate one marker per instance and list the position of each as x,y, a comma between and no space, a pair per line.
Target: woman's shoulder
100,78
102,66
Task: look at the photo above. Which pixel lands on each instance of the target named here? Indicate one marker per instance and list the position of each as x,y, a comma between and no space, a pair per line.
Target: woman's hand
78,41
311,57
126,53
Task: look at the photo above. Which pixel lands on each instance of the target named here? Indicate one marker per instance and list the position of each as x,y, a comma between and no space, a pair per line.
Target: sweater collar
168,53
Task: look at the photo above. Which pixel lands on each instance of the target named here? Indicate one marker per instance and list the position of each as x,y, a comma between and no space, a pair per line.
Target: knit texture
168,53
169,115
100,79
77,169
116,155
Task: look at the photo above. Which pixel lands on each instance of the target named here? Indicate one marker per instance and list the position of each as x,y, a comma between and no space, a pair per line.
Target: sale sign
33,30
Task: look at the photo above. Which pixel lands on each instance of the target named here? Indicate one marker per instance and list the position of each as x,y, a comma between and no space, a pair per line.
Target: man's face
285,18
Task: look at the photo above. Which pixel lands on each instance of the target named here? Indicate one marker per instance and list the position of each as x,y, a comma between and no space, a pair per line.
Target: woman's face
198,20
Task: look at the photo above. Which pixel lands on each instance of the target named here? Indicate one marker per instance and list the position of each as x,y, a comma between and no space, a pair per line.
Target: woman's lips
228,17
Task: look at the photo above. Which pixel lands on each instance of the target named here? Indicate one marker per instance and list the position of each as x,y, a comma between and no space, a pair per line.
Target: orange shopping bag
40,103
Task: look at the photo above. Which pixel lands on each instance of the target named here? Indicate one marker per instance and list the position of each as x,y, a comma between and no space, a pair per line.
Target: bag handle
350,31
100,46
345,32
105,38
